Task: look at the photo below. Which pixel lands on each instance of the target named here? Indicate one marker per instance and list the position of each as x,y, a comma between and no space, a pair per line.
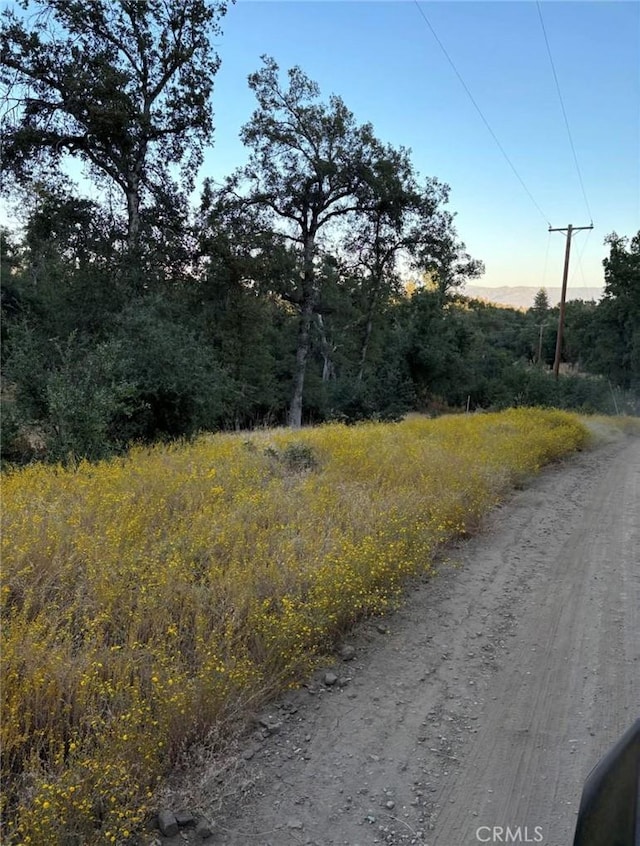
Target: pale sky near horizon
383,60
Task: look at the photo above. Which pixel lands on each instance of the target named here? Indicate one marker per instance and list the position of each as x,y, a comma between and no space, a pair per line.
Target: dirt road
489,697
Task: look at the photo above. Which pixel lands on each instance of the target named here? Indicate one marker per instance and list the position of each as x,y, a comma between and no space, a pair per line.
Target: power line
546,260
479,110
564,111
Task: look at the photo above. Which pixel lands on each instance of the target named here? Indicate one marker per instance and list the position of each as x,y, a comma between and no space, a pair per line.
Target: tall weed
149,597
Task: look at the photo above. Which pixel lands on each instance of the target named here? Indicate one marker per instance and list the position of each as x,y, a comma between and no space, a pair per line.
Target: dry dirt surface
483,704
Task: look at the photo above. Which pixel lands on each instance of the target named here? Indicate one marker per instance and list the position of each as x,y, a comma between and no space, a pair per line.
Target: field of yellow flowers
150,597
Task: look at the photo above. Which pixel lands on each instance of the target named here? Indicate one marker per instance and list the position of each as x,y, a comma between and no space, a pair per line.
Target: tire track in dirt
572,682
494,691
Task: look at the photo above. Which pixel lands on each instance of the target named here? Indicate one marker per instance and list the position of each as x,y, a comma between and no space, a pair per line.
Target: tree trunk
328,370
295,410
368,328
302,351
365,345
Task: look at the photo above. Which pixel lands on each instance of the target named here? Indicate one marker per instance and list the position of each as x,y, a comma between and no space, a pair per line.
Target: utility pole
569,230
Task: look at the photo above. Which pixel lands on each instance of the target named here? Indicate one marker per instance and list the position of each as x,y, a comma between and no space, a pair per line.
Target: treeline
280,296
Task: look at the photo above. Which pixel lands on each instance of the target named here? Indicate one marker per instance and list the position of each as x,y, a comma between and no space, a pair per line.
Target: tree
397,217
237,297
308,164
581,333
541,304
436,346
618,315
122,85
445,263
68,262
622,270
540,314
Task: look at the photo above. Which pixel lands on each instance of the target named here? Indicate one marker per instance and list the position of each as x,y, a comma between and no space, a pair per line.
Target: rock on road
489,698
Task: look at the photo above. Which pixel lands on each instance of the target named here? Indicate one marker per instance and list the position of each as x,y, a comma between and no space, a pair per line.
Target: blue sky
383,60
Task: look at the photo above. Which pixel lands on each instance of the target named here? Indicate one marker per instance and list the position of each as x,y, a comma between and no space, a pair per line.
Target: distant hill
522,296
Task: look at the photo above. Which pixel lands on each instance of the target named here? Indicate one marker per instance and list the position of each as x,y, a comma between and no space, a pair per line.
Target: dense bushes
159,368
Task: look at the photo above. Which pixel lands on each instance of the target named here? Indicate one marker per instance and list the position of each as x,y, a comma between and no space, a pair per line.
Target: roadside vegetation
321,280
154,597
158,583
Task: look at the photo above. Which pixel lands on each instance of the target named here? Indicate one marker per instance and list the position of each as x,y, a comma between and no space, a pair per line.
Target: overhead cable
546,260
564,111
479,110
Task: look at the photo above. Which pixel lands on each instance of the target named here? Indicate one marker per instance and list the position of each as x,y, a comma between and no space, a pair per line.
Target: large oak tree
308,165
123,85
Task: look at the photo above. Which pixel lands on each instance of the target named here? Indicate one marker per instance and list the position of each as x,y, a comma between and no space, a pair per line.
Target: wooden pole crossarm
566,228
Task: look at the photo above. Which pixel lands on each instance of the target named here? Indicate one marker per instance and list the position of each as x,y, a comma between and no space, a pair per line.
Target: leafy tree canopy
622,270
123,85
541,304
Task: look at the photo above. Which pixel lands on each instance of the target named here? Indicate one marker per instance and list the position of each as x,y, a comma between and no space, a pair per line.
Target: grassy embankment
150,597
